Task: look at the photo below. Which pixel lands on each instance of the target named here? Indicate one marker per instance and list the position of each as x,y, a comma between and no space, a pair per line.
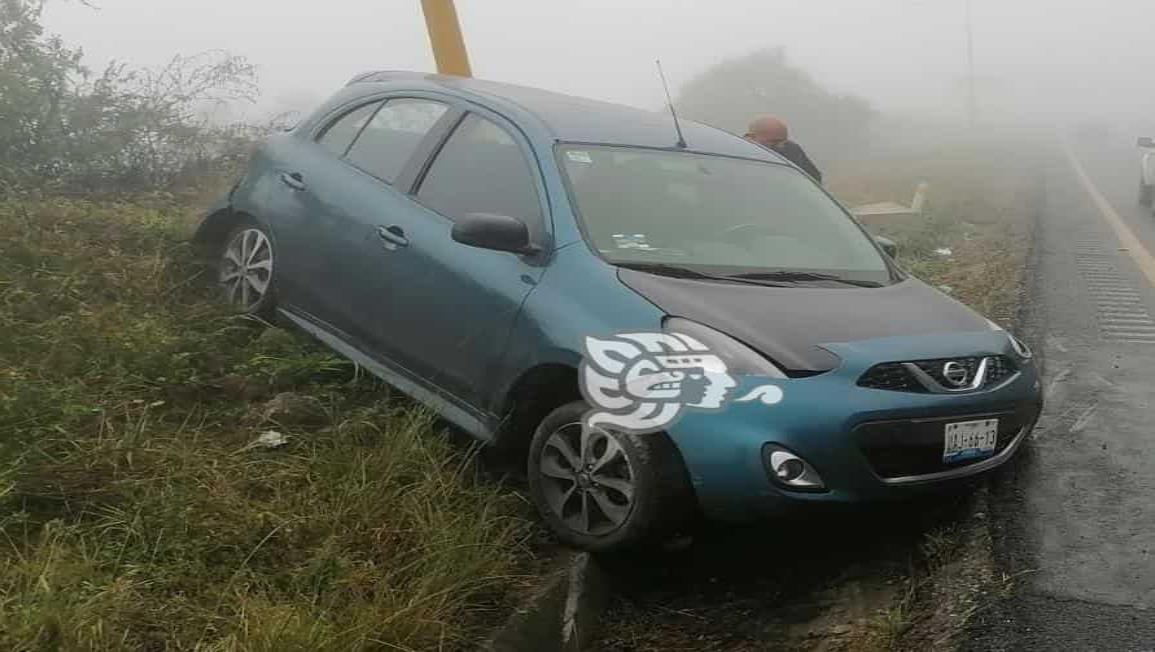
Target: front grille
933,368
999,369
913,447
892,376
895,376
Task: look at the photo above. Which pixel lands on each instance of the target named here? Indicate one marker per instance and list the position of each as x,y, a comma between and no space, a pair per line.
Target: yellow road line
1127,237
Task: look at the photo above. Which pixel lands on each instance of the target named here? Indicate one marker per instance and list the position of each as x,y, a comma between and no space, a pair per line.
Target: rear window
341,133
393,135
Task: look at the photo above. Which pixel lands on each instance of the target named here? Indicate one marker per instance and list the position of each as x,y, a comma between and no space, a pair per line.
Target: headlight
1020,347
789,471
739,358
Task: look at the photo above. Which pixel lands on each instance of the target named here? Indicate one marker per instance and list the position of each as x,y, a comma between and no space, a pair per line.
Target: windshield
712,216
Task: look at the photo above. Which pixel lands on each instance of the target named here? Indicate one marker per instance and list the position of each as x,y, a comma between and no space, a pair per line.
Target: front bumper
866,444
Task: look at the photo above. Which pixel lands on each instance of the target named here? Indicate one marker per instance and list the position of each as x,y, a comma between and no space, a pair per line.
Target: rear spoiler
376,76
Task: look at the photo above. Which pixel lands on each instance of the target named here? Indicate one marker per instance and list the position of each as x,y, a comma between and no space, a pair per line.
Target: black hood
788,324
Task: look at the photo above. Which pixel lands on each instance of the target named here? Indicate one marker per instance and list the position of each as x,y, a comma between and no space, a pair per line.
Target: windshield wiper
806,276
678,271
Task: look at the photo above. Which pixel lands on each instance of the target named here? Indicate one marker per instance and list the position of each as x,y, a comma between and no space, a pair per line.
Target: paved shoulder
1076,515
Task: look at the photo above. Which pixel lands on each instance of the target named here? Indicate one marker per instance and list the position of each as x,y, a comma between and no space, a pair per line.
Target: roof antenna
670,102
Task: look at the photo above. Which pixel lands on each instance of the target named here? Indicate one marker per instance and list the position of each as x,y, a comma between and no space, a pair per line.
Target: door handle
293,180
392,236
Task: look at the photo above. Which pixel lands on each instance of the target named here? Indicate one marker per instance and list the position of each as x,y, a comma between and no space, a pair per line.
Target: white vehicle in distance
1147,172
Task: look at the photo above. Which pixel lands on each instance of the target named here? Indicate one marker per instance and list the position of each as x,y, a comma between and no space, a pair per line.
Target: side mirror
489,231
888,245
1146,142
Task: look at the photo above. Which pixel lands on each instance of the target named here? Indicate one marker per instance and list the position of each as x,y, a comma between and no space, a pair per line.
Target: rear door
350,194
306,172
452,306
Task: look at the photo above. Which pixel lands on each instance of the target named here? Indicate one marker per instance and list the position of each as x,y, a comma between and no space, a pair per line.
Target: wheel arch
536,392
216,226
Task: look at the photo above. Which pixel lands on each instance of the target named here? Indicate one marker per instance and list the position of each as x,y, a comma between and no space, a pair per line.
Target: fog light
789,471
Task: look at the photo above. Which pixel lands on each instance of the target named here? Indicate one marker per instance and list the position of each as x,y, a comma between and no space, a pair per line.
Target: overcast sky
1081,56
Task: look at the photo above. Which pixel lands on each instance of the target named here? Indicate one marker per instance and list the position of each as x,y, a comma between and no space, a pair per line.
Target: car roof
568,118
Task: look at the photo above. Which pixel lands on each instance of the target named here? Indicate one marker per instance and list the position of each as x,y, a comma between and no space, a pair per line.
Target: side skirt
444,407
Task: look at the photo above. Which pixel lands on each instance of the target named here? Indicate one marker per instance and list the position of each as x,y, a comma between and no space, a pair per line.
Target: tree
729,94
125,130
36,72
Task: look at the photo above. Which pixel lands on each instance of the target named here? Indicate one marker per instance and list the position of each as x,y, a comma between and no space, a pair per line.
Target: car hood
790,325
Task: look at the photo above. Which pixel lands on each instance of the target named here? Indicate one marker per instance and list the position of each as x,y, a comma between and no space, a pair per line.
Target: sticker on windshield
578,156
631,241
643,382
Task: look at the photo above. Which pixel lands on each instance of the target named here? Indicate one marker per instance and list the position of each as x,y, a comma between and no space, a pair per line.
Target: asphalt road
1075,514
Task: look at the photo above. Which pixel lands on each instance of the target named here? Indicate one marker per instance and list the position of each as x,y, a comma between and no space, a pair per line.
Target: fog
1037,60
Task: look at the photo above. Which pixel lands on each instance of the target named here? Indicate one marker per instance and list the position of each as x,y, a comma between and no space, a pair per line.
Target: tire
246,270
1146,194
648,466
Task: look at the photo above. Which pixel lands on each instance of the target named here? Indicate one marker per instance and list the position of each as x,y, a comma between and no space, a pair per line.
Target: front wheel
247,270
601,490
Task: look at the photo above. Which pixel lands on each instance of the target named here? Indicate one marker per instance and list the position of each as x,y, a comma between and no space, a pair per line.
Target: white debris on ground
894,209
944,251
270,439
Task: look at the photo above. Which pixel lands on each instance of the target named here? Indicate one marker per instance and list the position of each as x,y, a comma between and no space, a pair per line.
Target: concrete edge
564,614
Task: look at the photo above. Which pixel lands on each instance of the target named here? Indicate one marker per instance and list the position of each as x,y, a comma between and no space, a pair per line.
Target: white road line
1126,236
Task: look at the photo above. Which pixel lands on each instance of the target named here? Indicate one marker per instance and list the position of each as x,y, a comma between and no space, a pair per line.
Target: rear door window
394,133
481,169
341,132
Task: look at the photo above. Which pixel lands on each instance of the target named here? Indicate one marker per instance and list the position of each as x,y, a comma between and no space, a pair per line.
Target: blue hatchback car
520,260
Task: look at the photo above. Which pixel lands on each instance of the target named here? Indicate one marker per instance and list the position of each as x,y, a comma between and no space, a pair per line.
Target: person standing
771,133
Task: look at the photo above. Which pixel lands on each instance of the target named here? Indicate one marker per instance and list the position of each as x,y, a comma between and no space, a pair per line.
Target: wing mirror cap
492,231
888,245
1146,142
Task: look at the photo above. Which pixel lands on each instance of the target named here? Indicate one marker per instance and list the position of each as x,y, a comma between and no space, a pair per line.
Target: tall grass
980,207
136,511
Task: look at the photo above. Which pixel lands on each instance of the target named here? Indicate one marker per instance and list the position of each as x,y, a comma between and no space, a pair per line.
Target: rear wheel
602,490
247,271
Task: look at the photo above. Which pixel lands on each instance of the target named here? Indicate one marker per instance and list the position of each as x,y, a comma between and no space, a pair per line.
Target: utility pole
445,37
971,107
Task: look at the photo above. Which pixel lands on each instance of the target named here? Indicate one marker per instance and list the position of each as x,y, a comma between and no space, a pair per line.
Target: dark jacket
796,155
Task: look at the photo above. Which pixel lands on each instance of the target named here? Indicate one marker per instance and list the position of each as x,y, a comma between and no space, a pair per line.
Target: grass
136,511
886,629
979,207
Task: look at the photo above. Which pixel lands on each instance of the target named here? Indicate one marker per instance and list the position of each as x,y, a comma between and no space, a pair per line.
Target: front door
355,211
453,305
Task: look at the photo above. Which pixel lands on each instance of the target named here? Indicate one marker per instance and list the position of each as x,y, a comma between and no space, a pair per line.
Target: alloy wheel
587,479
247,269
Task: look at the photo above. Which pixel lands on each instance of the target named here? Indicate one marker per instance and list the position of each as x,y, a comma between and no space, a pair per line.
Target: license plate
968,440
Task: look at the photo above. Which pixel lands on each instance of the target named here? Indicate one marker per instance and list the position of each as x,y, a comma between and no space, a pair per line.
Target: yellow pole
445,36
